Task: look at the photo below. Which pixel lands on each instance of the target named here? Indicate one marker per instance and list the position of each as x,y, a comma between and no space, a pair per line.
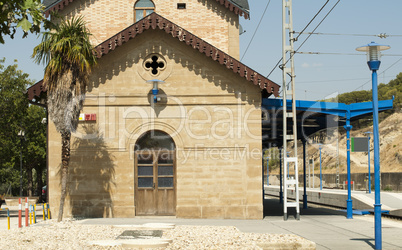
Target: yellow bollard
30,214
8,218
34,213
44,211
48,212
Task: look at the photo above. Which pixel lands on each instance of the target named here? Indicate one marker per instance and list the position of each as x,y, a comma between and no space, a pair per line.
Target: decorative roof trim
154,21
59,5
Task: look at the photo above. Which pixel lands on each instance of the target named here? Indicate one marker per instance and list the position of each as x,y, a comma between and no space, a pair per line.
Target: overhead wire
318,25
383,72
308,24
305,40
255,31
381,35
343,54
301,32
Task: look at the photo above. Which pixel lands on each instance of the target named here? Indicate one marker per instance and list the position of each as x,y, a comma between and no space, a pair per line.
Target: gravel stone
70,234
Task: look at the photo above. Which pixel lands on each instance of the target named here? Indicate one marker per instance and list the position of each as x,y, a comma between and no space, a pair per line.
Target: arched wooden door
155,174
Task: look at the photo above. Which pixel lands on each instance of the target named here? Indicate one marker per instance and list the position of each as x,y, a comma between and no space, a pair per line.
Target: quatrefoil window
155,64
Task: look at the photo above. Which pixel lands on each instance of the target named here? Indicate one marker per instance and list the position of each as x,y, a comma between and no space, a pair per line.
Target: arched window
143,8
155,140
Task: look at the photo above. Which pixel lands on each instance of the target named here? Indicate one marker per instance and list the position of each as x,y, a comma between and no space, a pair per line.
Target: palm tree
69,56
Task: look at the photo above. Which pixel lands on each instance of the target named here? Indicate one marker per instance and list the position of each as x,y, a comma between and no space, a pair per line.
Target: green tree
69,56
24,14
16,115
12,111
35,147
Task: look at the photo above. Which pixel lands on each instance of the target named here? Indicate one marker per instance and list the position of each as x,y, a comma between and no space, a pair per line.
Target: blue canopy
312,116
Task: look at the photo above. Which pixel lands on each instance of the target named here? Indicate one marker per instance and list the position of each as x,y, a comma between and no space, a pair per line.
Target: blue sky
317,76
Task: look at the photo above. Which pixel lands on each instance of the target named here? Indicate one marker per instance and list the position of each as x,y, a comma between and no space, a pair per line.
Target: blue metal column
348,127
280,177
369,172
377,187
304,175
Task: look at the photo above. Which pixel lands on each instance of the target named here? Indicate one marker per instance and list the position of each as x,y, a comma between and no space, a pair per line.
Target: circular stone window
154,66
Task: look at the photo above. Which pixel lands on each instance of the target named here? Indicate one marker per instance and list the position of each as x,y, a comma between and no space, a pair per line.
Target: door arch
155,174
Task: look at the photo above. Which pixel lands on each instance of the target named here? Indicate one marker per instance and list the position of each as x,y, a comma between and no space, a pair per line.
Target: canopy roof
312,116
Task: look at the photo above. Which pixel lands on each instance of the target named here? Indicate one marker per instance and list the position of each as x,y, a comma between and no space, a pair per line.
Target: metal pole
304,175
369,172
377,188
348,127
280,177
309,175
313,175
320,171
267,159
337,157
287,154
21,170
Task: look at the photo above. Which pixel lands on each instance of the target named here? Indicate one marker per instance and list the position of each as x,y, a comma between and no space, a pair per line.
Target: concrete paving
337,197
328,228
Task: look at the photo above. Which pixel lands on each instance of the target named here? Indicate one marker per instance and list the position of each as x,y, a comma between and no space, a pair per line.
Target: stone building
194,149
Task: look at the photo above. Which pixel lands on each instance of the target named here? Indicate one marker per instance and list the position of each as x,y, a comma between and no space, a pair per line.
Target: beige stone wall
206,19
212,114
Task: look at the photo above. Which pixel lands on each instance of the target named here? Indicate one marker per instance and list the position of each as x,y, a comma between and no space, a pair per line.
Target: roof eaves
154,21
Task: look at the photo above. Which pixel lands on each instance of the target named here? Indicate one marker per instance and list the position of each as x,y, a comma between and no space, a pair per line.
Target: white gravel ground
70,234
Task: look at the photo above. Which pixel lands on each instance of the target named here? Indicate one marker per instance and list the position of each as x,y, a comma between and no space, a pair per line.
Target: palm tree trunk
65,160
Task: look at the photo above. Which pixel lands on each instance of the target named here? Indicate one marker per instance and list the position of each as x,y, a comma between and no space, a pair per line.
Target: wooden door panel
166,202
155,183
146,202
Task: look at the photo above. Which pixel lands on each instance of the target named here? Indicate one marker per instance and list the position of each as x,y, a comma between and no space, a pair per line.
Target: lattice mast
289,116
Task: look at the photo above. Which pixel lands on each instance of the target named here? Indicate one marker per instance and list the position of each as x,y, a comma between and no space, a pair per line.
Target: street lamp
368,153
21,134
373,60
155,88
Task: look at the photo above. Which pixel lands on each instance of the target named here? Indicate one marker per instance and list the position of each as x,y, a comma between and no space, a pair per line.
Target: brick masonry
204,18
212,114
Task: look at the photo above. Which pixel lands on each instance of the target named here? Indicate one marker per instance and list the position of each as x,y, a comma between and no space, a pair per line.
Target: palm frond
69,57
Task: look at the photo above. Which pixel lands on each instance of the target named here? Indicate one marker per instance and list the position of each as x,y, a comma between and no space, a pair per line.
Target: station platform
361,200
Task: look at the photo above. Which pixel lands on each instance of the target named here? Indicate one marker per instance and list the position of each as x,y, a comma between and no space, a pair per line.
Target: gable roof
155,21
239,7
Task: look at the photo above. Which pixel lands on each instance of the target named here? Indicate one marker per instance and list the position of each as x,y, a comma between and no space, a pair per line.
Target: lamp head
155,87
155,83
373,50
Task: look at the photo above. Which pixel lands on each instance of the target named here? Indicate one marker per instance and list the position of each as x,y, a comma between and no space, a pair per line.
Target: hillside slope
390,149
